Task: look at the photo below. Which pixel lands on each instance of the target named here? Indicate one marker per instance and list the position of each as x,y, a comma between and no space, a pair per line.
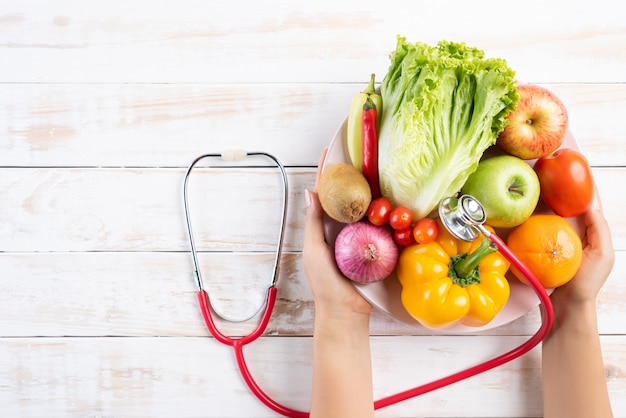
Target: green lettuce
444,105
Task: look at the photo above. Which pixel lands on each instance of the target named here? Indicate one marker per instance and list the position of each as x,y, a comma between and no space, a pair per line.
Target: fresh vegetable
344,193
566,182
425,230
365,253
370,146
378,212
400,218
448,281
444,106
355,122
404,237
549,246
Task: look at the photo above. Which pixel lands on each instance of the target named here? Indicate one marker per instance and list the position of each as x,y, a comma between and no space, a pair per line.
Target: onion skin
366,253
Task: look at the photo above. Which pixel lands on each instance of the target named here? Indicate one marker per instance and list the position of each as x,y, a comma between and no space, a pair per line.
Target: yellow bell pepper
449,281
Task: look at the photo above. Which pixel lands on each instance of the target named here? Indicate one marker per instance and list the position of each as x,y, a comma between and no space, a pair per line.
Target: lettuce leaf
444,105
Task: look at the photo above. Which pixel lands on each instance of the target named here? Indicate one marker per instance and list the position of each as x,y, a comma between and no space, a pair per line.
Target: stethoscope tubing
207,314
240,342
546,324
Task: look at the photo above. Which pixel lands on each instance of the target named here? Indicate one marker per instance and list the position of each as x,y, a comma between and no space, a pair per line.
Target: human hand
332,291
571,387
597,262
342,370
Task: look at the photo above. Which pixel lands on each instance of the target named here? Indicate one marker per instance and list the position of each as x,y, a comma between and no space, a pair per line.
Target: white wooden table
104,104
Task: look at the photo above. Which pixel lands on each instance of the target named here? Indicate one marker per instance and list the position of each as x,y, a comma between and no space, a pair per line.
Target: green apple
508,189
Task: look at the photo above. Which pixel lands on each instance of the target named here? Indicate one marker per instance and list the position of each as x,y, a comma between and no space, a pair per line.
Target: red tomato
425,231
566,182
378,211
404,237
400,218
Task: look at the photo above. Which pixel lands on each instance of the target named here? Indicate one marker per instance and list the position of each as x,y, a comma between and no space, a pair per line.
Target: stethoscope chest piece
462,216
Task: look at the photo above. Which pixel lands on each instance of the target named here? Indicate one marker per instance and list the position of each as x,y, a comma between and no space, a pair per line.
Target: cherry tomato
379,210
400,218
404,237
566,182
425,231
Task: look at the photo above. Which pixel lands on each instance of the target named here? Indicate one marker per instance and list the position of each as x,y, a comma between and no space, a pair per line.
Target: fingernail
595,203
307,197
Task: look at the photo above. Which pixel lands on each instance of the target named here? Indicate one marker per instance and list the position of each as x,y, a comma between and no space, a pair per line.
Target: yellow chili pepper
354,135
449,281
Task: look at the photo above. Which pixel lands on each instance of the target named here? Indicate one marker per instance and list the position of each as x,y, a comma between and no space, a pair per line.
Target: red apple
537,126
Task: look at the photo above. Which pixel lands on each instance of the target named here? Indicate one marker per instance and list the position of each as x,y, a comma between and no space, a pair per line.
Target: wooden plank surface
167,125
283,41
111,209
152,294
104,104
165,377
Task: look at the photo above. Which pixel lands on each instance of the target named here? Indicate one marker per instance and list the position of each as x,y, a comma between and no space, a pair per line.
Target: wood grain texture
283,41
142,209
104,104
152,294
167,125
197,377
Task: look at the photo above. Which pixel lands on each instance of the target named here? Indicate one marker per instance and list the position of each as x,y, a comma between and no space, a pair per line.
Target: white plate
385,295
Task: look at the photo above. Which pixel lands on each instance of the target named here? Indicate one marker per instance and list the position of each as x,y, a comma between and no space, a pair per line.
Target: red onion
366,253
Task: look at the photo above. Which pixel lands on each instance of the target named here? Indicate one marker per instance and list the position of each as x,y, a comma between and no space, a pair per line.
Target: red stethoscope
463,217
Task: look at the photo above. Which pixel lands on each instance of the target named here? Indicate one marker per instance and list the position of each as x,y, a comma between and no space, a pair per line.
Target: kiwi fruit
344,193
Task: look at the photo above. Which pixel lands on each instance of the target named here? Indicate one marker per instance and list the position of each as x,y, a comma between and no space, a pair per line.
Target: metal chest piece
461,216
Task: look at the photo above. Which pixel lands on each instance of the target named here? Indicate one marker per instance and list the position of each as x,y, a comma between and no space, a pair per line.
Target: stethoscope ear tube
235,155
237,343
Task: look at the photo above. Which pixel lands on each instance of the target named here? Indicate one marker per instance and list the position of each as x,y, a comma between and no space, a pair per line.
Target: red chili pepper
370,146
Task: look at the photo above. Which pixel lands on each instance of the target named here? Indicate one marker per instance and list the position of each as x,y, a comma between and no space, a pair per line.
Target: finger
320,166
597,202
314,225
598,231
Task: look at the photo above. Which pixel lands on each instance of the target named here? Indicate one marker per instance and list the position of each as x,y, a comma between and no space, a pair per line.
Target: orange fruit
549,246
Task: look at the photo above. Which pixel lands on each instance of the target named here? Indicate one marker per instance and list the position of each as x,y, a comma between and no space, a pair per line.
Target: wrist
341,325
576,317
342,319
350,307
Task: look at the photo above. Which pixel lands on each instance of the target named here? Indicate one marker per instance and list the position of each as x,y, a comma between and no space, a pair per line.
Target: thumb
314,225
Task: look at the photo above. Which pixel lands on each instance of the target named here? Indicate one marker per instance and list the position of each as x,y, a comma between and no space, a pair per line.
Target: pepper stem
369,104
371,87
463,267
